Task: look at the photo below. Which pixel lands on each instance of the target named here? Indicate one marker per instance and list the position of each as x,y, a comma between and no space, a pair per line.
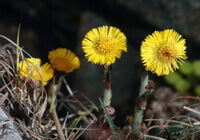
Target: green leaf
107,116
176,128
146,138
77,120
197,89
196,67
173,78
182,85
186,68
18,32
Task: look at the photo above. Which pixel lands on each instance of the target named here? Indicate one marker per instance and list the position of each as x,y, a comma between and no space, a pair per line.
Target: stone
7,130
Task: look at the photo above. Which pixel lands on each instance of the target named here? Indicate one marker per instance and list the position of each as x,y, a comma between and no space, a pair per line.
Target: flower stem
107,85
57,124
53,90
55,87
141,100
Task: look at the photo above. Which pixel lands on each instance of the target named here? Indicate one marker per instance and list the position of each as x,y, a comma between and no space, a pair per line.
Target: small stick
191,110
196,123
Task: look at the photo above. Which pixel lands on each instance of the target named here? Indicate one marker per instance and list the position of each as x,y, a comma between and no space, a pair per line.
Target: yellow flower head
30,67
162,51
64,60
103,45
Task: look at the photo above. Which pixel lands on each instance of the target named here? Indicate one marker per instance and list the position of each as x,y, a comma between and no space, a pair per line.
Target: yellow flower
64,60
162,51
103,45
30,67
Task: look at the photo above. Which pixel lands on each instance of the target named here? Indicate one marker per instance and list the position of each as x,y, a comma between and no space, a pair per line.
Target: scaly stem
138,115
107,85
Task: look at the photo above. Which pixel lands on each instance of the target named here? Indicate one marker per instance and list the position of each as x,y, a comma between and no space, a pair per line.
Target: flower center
166,53
61,64
103,45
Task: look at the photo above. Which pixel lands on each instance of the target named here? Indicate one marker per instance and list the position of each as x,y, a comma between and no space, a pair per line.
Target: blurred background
49,24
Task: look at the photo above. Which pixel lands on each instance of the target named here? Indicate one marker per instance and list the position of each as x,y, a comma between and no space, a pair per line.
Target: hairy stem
107,85
138,114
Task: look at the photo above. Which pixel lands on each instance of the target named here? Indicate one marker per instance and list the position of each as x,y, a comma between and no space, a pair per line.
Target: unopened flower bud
107,84
102,119
142,103
150,85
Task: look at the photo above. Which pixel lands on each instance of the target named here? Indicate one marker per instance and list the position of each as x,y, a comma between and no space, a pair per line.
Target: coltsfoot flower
104,44
30,67
64,60
162,51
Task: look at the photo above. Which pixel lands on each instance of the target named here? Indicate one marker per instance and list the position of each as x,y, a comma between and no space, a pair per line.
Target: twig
196,123
191,110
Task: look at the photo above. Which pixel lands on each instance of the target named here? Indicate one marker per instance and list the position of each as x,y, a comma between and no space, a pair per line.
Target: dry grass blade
76,101
5,86
3,98
42,108
4,37
185,97
153,137
6,122
174,121
196,123
31,132
84,130
155,126
22,98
